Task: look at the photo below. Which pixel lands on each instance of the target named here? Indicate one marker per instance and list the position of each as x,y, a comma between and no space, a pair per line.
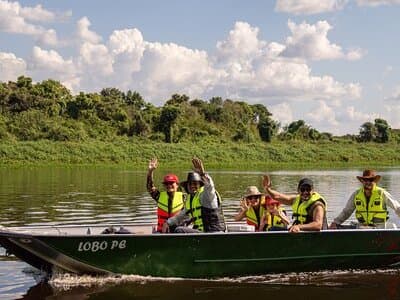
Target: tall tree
168,118
382,131
367,132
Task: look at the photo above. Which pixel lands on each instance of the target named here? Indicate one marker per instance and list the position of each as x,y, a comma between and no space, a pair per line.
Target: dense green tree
267,129
135,99
177,100
367,132
168,118
382,131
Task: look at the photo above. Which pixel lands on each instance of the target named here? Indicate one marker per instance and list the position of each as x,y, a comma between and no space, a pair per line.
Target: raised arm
283,198
209,196
242,212
153,164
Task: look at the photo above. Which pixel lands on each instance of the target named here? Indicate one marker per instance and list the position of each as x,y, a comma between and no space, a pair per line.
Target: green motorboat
85,250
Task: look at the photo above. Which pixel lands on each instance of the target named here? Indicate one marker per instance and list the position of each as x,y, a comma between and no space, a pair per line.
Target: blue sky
332,63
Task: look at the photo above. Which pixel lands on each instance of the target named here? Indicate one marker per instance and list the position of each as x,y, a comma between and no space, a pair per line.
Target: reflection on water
347,285
55,195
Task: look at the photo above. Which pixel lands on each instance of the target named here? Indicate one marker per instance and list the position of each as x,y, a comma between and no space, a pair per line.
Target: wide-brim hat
192,176
252,191
369,174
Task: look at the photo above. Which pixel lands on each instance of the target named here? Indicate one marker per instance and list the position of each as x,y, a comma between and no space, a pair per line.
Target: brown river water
83,195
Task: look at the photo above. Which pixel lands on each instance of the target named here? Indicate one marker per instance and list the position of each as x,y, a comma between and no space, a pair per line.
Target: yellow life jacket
275,221
300,208
205,219
163,212
253,218
193,207
371,212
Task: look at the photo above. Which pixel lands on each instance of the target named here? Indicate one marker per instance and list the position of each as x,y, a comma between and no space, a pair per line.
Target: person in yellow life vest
274,218
169,202
203,207
309,207
370,203
252,207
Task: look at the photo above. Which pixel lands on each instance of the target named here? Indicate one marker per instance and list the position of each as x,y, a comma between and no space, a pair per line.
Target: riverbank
278,154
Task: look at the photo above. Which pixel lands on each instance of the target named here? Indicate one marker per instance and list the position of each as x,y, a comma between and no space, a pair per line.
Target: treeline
48,111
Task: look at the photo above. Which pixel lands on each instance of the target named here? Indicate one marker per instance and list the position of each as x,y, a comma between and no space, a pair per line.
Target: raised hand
266,182
153,164
244,205
198,166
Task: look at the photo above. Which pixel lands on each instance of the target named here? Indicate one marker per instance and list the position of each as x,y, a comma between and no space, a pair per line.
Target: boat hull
210,255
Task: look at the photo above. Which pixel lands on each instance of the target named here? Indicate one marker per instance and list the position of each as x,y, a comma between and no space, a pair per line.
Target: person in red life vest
252,207
274,218
169,202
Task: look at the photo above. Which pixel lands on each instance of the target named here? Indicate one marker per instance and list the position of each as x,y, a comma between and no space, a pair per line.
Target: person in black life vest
369,202
309,208
202,207
169,202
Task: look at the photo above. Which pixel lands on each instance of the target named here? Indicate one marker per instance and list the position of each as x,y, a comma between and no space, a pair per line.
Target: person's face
305,192
272,207
171,187
194,186
253,200
368,183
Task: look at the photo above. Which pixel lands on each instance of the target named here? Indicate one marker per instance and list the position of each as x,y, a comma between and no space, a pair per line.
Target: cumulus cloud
45,64
282,112
169,68
377,2
11,66
309,7
84,33
323,117
311,42
242,66
18,19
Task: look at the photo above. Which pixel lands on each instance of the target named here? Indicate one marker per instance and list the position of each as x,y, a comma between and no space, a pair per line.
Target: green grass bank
221,155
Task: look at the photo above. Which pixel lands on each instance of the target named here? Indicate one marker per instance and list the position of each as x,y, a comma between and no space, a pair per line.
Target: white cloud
127,47
11,66
323,117
84,33
377,2
243,66
169,68
37,13
311,42
309,7
393,113
44,64
18,19
96,59
282,113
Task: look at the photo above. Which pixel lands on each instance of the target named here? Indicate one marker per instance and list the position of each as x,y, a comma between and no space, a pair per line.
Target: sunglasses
368,179
252,198
305,189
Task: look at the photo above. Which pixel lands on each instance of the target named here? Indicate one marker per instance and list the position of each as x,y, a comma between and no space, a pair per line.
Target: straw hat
369,174
252,191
